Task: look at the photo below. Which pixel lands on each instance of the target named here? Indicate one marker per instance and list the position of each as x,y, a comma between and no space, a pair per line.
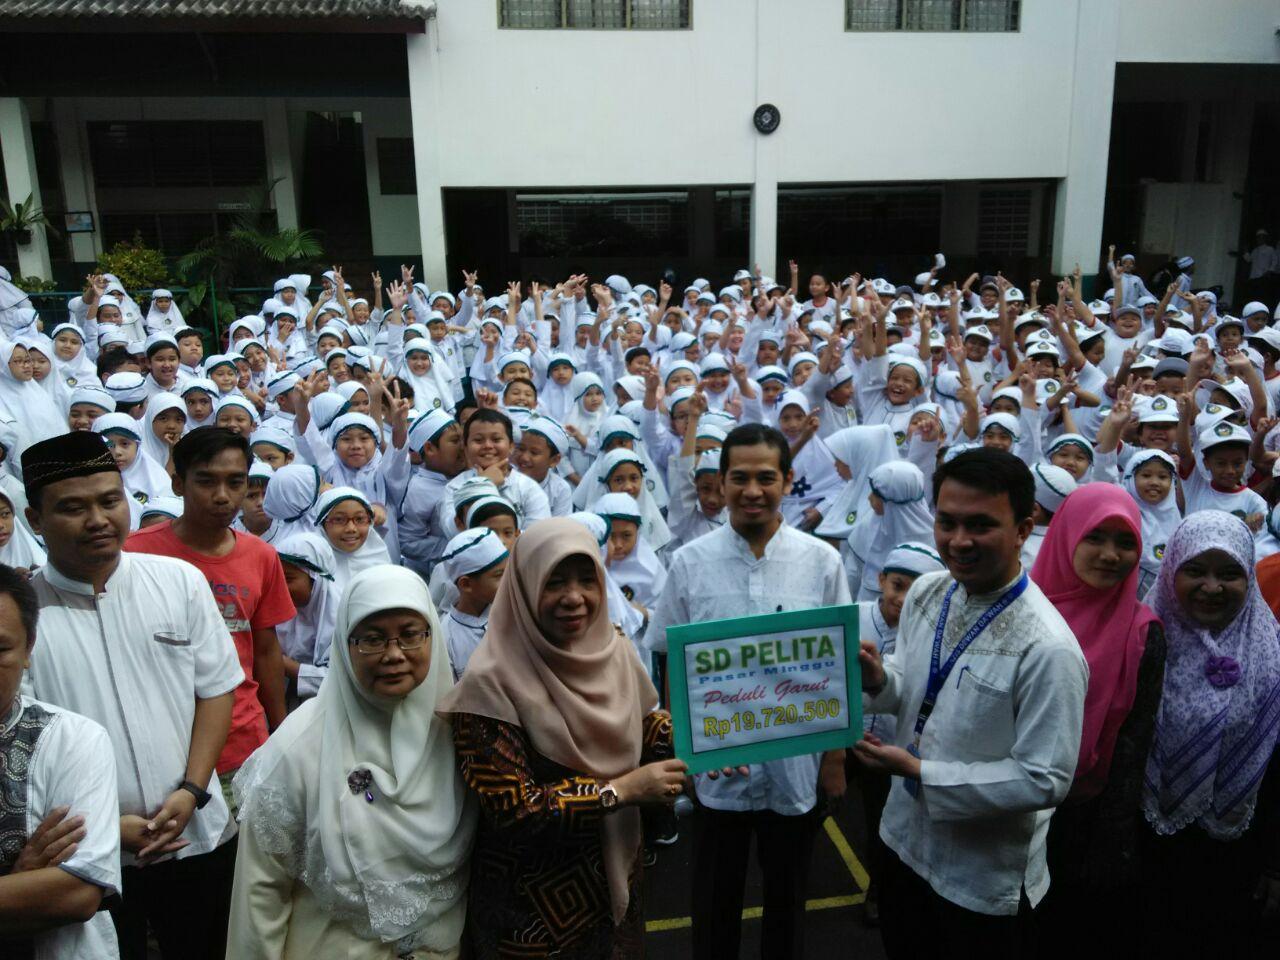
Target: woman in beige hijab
556,733
355,827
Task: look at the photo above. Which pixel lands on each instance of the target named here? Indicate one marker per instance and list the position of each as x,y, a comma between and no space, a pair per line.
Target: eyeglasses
372,643
360,521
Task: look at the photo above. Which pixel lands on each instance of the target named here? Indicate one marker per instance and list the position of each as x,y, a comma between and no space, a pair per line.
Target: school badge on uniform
1158,551
853,515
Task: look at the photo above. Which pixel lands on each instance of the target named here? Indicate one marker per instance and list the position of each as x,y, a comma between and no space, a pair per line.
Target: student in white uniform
1053,484
136,643
754,564
474,562
987,683
878,622
59,815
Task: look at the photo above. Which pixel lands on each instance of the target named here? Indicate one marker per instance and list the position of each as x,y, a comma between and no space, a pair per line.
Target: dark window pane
124,226
179,153
237,153
395,166
180,232
120,153
538,14
609,225
1004,222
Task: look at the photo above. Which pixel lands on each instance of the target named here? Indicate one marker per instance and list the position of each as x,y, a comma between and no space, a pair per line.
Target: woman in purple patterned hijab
1214,856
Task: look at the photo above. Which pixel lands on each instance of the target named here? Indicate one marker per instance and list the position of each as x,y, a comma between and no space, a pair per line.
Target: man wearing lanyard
987,684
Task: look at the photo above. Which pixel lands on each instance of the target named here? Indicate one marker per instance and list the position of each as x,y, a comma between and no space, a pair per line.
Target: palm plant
252,252
16,220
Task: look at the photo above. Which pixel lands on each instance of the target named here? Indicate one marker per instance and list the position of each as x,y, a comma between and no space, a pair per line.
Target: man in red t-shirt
212,475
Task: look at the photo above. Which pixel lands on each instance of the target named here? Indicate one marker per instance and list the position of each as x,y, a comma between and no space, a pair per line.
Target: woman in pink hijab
1088,568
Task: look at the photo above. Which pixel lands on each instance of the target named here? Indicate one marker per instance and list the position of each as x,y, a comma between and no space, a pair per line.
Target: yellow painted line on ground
851,862
856,869
755,913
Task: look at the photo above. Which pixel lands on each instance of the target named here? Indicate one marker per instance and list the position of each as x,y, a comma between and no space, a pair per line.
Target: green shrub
138,266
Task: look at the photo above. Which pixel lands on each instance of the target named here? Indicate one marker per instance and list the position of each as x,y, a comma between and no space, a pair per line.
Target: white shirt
523,493
871,626
135,658
462,634
559,494
716,577
999,751
72,765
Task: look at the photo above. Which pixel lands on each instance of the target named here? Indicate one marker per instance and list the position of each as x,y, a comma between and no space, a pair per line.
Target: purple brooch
1222,672
361,780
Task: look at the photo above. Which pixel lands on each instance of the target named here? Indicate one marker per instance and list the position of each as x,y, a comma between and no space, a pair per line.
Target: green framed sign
759,688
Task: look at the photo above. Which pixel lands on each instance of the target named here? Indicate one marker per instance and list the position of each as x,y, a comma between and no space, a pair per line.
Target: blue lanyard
938,674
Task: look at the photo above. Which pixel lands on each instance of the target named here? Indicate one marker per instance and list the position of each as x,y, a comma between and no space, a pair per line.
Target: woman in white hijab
424,369
355,824
345,516
857,452
24,401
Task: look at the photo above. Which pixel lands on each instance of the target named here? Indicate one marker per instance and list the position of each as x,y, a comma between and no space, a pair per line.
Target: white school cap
1159,409
94,395
1005,421
1224,432
126,387
549,429
913,559
472,552
281,384
1053,484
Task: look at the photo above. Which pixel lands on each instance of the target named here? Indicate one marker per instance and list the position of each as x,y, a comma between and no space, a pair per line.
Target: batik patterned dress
538,886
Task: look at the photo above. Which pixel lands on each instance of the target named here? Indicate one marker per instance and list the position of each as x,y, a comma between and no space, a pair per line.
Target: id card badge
911,784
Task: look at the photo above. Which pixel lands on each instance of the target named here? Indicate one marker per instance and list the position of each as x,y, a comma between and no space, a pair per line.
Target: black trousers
784,846
874,787
185,903
917,923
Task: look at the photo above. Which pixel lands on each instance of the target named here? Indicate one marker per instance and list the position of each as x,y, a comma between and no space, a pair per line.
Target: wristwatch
202,796
608,797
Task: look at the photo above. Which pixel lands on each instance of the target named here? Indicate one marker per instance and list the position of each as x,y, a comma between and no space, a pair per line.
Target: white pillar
1082,193
770,21
20,180
77,175
280,163
423,94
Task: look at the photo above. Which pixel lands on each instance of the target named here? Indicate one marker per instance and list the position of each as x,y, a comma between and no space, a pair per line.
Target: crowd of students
398,570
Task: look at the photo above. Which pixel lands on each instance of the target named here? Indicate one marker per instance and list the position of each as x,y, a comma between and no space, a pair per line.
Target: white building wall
531,108
1198,31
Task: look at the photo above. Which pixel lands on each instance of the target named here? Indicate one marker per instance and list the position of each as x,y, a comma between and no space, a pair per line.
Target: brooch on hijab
361,780
1222,672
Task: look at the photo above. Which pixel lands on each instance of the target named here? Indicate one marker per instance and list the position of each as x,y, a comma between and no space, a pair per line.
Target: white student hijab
393,868
861,449
36,415
22,550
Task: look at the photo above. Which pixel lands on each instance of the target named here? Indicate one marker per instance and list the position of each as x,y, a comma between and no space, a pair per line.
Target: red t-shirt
249,588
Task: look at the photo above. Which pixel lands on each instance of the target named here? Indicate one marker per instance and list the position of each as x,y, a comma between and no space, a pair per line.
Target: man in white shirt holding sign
755,564
987,684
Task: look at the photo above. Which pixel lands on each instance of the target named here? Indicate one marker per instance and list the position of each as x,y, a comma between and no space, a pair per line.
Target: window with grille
974,16
1004,222
649,224
172,232
395,166
177,153
595,14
